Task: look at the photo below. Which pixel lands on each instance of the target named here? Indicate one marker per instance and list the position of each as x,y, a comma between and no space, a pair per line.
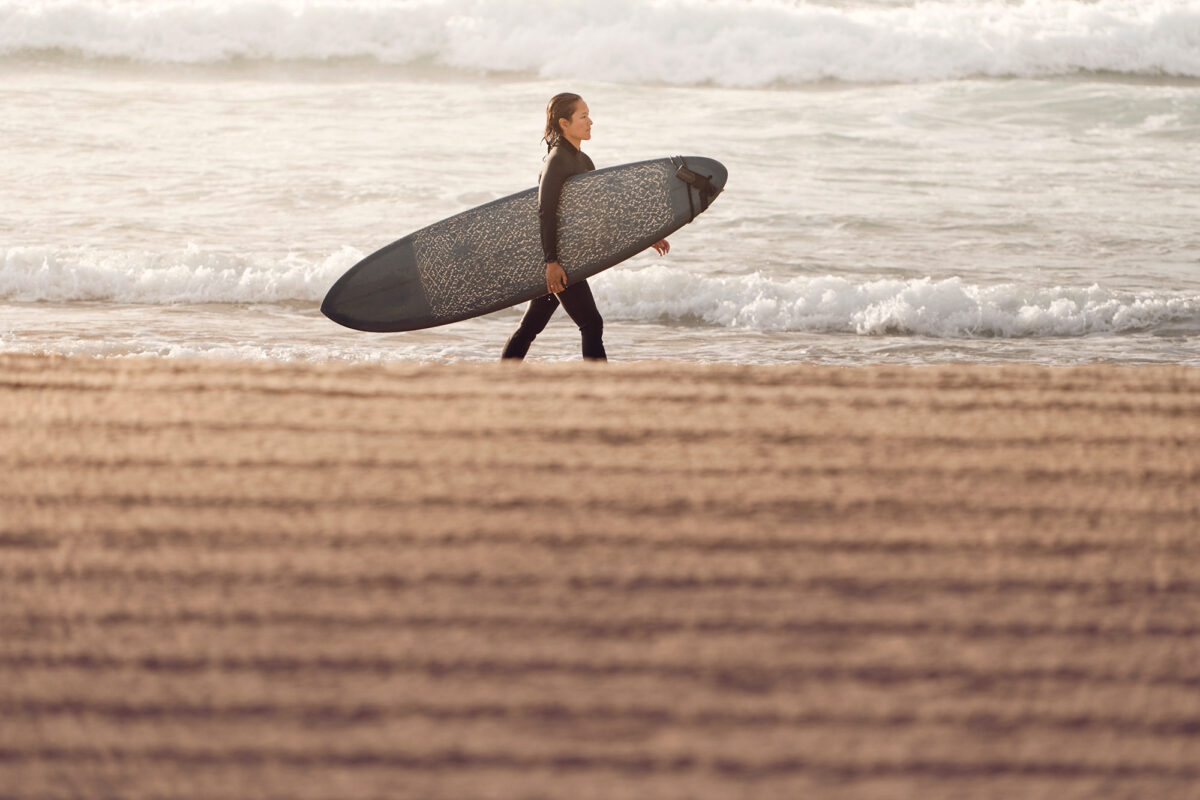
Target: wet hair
561,106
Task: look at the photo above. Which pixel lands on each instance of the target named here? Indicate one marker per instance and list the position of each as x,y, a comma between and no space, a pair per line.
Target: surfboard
490,257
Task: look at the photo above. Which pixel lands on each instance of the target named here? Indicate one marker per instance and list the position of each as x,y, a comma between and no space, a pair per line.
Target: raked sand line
627,581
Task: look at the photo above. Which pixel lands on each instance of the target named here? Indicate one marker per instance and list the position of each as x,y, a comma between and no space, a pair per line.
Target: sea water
910,182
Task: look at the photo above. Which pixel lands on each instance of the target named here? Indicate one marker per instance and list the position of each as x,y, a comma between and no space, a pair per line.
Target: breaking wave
734,43
940,308
946,308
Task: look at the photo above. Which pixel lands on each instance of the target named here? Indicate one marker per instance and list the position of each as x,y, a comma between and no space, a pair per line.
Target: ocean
910,182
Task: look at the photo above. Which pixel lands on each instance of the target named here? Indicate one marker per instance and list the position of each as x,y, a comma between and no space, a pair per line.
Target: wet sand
640,581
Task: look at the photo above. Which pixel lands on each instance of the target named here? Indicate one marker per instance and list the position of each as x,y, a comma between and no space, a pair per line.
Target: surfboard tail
706,178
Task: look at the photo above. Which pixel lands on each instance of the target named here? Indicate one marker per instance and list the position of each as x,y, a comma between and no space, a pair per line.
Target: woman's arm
549,191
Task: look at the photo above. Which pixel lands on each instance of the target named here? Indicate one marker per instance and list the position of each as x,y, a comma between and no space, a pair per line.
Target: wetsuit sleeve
549,191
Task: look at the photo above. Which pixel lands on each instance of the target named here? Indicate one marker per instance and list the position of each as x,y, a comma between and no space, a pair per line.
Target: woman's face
579,126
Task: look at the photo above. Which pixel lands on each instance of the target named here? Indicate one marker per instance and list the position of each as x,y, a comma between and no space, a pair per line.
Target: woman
567,126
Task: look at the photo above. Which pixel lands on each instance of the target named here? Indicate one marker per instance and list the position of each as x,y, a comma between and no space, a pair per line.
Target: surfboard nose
381,293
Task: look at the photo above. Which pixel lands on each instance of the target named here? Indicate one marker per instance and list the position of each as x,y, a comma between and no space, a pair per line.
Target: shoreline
661,579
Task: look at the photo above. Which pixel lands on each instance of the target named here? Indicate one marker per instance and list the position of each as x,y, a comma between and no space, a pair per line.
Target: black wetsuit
563,161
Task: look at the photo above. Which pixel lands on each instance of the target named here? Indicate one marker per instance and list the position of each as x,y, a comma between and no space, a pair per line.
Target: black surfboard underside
490,257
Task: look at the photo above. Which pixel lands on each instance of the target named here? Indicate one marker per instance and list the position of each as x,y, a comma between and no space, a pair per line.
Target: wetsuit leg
534,322
577,300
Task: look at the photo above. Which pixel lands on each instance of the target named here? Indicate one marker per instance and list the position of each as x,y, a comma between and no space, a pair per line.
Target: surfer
568,125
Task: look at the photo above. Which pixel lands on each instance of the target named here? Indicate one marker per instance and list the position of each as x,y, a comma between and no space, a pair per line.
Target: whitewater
910,182
685,42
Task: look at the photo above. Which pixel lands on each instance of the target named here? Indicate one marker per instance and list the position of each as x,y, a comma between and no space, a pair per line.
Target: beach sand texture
650,580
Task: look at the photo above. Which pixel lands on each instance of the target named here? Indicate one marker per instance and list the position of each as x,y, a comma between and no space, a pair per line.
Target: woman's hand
556,277
662,247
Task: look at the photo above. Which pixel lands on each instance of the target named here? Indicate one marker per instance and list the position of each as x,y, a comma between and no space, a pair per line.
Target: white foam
947,308
943,308
741,43
191,275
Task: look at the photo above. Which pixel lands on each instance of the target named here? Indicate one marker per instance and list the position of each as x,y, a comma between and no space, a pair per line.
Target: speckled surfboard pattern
490,257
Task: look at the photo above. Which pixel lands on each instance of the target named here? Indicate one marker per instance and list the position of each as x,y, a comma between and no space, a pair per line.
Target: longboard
490,257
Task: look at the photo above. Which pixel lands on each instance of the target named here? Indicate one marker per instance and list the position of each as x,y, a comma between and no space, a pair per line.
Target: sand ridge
226,579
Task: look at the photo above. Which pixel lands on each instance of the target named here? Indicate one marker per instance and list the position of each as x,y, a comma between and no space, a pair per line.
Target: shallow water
198,198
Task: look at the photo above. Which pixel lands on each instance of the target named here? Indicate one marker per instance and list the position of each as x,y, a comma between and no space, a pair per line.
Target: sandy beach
646,580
